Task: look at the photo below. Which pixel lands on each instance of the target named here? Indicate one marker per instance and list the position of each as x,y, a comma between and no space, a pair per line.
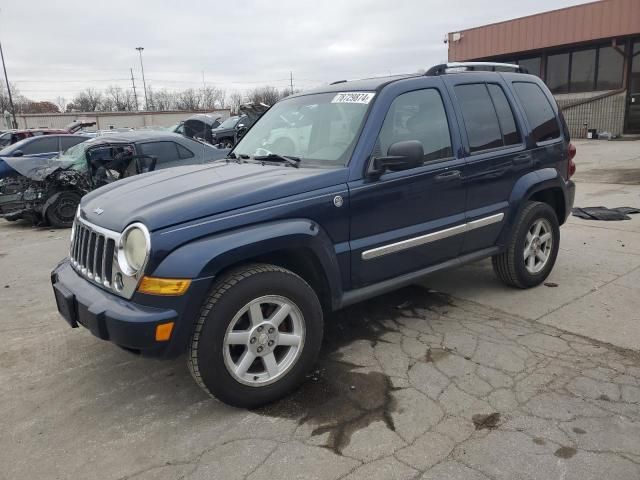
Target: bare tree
267,95
188,99
61,102
118,100
164,100
88,100
235,100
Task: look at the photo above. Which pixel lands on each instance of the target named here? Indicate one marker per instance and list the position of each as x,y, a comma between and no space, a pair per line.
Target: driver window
418,115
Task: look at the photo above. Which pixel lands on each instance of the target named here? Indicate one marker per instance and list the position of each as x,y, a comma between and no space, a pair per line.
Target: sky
57,48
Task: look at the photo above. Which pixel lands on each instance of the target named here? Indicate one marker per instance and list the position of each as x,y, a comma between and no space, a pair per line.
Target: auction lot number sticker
353,97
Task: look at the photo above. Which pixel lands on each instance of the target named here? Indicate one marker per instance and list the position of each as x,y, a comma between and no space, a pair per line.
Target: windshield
9,149
318,129
75,157
229,123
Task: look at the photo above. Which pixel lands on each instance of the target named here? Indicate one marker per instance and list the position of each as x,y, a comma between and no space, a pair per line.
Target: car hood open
168,197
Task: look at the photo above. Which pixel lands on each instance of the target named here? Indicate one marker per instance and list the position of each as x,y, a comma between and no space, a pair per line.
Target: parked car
233,128
12,136
43,146
235,262
49,191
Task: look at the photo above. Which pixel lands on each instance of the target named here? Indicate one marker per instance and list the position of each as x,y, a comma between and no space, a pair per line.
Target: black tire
228,296
509,265
62,211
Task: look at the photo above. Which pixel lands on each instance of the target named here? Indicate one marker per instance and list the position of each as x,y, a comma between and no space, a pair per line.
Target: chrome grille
93,252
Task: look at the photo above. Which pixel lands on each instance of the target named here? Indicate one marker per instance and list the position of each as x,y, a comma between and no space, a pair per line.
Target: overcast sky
56,48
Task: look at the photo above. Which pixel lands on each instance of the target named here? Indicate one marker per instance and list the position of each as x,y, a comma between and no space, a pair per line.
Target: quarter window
164,152
184,152
41,145
539,112
418,115
480,118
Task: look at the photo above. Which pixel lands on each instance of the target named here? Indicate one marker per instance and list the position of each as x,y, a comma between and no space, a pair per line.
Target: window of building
558,73
583,71
510,135
532,65
542,118
610,65
418,115
480,118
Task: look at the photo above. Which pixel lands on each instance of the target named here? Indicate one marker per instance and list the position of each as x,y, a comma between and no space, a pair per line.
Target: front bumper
127,323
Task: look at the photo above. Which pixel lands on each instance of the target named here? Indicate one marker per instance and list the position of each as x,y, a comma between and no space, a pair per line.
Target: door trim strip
431,237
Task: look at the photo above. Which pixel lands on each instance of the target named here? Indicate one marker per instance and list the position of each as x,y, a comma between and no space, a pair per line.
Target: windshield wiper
274,157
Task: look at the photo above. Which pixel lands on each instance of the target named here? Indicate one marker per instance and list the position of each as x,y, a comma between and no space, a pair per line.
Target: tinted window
558,73
68,142
480,117
184,152
510,135
532,65
610,62
43,144
540,114
418,115
163,151
583,71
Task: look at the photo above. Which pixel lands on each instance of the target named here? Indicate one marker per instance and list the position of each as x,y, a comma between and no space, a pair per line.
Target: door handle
522,159
448,176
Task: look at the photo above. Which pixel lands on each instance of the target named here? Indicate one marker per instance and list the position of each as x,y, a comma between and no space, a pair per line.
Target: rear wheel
258,334
533,247
61,212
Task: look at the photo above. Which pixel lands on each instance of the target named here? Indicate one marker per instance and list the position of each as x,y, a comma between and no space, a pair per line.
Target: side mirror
145,163
18,153
401,156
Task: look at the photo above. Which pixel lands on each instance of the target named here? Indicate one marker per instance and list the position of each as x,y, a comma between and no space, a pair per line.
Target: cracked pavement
416,384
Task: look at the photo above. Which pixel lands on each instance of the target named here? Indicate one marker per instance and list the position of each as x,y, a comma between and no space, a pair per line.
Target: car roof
366,84
136,136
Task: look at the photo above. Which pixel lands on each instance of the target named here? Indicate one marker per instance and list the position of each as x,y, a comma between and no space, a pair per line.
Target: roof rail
337,82
456,67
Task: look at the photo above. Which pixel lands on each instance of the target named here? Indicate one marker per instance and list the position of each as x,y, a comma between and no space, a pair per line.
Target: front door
407,220
633,102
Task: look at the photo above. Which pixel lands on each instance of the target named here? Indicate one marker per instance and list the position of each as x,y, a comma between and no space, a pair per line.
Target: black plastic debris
604,213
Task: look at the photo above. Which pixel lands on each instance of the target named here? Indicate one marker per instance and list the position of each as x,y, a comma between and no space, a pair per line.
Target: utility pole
6,79
144,83
133,83
291,81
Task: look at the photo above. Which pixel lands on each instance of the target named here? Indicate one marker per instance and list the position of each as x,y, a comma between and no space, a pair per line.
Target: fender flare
208,256
524,188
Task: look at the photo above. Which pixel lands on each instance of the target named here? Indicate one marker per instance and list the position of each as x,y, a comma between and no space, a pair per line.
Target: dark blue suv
335,195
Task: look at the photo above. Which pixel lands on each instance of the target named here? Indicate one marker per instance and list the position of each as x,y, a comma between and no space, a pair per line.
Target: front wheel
62,211
258,334
532,249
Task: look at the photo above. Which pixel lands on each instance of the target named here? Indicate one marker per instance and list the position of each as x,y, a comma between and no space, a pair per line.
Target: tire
61,213
213,361
511,266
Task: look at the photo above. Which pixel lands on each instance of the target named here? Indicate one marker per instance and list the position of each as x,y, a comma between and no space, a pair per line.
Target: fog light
164,286
163,332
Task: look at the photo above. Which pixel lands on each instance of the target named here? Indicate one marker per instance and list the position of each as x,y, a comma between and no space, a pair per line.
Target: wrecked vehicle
200,126
49,191
233,128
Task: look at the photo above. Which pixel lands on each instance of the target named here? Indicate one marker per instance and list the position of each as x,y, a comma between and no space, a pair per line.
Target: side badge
338,201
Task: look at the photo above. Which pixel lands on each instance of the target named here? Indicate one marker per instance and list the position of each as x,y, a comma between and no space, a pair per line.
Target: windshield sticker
353,97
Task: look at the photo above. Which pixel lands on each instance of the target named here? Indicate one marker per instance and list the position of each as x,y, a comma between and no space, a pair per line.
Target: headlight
133,249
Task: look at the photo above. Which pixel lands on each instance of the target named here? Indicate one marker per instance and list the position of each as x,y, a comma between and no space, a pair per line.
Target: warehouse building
589,56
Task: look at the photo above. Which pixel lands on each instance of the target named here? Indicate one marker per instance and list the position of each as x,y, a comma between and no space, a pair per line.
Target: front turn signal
164,286
163,332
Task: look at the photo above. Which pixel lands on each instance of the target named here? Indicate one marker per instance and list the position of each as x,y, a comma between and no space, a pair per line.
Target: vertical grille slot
91,252
98,260
108,259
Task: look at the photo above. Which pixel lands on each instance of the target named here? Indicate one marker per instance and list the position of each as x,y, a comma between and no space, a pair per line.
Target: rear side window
508,127
184,152
480,118
41,145
539,112
163,151
68,142
418,115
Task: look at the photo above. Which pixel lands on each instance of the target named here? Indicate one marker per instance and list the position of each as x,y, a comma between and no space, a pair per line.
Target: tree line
117,99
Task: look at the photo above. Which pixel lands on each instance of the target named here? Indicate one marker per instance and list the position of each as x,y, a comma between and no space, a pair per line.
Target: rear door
42,146
408,220
496,154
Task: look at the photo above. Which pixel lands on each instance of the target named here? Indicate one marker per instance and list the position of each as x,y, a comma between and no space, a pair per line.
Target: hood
168,197
35,168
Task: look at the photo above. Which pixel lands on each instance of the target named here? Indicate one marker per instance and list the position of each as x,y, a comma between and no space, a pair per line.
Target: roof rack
457,67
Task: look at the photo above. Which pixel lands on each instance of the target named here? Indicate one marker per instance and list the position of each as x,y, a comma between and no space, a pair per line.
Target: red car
12,136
